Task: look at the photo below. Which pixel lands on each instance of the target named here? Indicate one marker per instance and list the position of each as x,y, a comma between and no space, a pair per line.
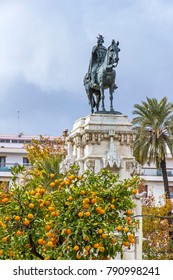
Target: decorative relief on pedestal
90,164
92,138
133,167
112,158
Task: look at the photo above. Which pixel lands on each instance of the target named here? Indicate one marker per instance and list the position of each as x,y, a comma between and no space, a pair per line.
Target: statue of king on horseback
101,74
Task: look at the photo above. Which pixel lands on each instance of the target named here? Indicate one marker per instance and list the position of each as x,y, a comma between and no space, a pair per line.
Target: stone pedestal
102,141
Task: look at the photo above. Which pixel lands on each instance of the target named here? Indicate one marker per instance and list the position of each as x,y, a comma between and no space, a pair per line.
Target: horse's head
112,54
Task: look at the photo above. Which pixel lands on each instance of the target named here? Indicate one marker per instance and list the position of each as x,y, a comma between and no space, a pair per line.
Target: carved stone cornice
95,137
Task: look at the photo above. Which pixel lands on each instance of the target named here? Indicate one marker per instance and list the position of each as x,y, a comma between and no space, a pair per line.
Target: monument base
103,141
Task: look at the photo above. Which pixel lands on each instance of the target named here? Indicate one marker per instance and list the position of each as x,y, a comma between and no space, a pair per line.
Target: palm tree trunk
165,178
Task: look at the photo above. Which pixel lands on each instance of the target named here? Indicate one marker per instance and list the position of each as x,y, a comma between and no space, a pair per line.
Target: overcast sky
45,51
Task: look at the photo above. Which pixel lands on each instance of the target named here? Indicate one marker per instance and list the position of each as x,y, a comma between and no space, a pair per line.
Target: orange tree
48,215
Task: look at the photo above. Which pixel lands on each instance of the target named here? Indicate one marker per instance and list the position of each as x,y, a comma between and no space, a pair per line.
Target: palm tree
154,126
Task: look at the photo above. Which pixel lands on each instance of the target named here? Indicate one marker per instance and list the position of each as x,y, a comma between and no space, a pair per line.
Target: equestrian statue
101,74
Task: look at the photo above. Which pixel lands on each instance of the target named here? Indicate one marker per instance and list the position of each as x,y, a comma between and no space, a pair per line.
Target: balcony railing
156,172
5,167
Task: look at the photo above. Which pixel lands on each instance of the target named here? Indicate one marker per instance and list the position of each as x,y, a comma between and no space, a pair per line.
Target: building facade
13,152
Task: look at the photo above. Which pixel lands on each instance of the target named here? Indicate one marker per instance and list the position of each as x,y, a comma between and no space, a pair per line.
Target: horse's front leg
98,100
111,99
102,97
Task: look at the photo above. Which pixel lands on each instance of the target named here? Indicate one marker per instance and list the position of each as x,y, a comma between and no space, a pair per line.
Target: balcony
5,167
148,171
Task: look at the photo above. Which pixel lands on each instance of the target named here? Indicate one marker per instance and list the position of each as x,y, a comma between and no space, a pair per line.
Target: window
171,191
2,162
25,161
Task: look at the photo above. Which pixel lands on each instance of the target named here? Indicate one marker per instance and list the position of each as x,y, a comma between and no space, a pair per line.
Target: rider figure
97,58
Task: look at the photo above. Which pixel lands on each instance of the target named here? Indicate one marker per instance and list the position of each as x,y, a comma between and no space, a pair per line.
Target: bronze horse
106,75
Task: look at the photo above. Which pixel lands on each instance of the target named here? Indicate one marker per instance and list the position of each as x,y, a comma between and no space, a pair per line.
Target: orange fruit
17,218
4,200
56,181
85,253
67,182
86,238
48,234
132,240
131,235
31,205
26,222
50,244
52,175
100,231
112,206
28,246
7,218
47,227
4,239
134,191
78,256
67,203
86,206
104,235
101,249
54,214
102,211
70,198
47,203
126,229
51,208
71,177
18,233
1,223
1,252
76,248
87,248
80,214
79,177
69,231
129,212
86,201
32,192
30,216
119,228
126,243
40,241
98,209
52,184
96,245
87,214
11,254
93,200
82,192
